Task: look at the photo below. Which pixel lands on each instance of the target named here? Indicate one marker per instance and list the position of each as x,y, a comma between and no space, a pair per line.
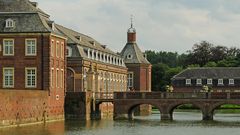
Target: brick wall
27,106
19,61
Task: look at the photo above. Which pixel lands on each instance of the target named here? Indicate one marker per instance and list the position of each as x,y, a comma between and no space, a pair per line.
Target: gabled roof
135,52
209,72
85,41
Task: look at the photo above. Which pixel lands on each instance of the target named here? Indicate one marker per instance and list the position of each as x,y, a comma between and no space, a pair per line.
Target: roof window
9,23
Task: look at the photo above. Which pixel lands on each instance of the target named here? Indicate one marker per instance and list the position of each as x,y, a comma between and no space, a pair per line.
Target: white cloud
161,24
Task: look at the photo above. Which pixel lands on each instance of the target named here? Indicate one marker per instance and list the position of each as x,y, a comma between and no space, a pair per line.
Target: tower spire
131,21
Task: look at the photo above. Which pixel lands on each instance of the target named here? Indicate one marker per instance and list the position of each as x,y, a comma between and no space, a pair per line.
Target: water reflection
185,123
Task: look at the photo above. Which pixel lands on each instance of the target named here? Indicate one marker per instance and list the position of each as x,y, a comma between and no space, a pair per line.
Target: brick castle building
41,60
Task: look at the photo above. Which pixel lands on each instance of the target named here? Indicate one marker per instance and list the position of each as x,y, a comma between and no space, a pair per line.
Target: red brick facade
47,98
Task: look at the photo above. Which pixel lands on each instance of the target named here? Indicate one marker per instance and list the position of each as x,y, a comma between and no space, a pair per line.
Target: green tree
158,73
211,64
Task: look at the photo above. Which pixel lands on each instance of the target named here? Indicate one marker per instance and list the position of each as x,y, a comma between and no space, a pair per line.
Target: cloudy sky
162,25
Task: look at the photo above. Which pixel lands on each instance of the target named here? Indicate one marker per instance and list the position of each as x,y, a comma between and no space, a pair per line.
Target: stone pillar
90,79
207,113
166,114
119,111
97,82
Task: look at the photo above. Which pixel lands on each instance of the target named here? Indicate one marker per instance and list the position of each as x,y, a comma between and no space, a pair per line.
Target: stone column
90,79
97,83
207,113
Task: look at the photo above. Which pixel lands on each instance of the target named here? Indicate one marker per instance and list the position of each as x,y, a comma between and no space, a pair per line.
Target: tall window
52,48
31,77
57,49
62,50
209,81
57,78
52,77
61,76
188,81
220,81
8,77
231,81
30,47
130,79
8,47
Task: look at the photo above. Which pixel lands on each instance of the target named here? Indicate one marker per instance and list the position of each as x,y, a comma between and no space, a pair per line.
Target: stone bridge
125,102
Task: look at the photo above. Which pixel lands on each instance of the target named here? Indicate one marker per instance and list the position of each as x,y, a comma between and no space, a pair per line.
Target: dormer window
209,81
9,23
188,81
199,81
220,81
93,43
231,81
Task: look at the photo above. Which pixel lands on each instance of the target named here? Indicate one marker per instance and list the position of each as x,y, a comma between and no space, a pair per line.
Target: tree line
204,54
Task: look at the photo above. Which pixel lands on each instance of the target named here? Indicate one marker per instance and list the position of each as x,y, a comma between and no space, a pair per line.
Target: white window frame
4,45
209,80
130,79
188,81
61,78
26,77
57,51
4,77
57,78
9,23
62,50
231,81
52,77
199,81
32,45
220,81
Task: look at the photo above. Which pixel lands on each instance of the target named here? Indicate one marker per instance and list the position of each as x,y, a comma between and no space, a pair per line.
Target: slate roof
137,54
19,6
85,41
209,72
27,18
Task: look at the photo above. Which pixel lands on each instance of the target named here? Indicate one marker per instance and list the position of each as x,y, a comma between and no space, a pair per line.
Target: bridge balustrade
176,95
235,95
104,95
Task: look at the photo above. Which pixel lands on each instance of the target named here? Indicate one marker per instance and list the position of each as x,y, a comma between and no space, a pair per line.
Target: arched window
9,23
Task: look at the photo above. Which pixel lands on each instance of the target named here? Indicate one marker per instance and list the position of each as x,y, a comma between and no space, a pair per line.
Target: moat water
184,123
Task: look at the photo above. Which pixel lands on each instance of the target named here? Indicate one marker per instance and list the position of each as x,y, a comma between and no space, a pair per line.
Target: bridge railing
104,95
176,95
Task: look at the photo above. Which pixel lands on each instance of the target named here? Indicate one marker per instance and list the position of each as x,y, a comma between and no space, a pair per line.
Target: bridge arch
174,106
131,108
217,105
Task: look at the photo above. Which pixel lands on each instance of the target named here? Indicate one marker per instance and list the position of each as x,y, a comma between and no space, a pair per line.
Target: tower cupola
131,34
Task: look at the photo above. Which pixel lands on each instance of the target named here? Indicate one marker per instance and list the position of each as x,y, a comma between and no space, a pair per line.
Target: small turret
131,34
